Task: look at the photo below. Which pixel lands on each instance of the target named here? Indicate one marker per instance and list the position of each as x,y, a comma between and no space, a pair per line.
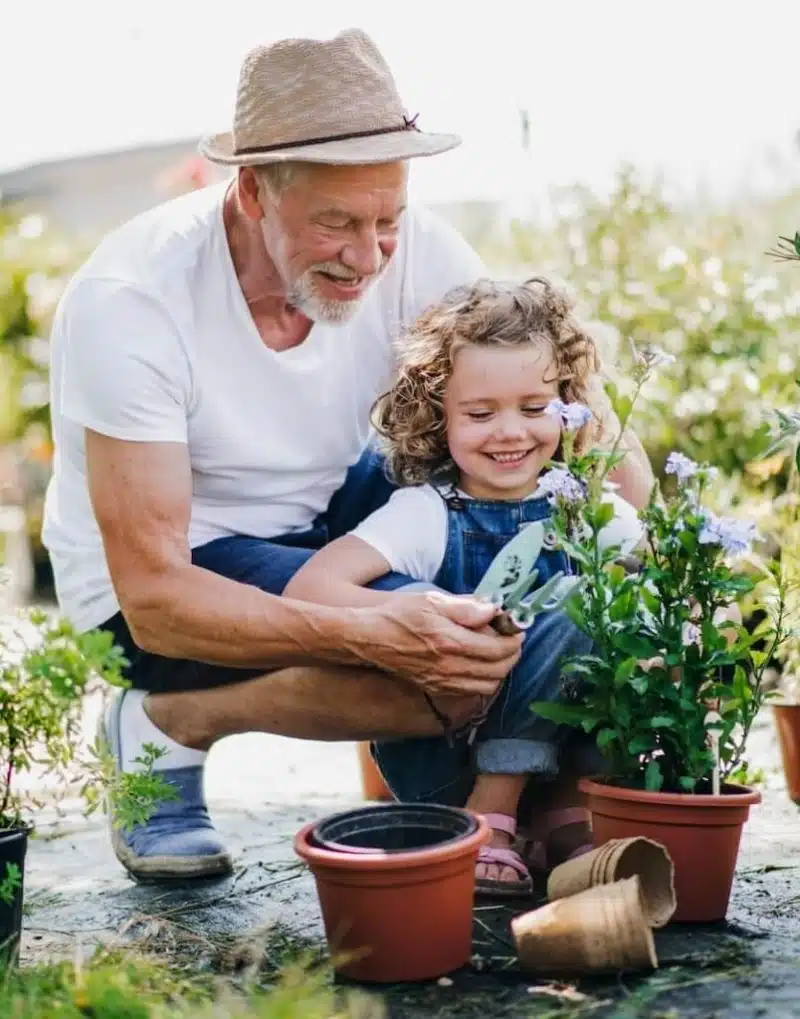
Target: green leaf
616,576
621,608
624,671
651,601
605,737
635,645
741,685
661,722
688,541
603,515
563,714
624,406
640,745
653,779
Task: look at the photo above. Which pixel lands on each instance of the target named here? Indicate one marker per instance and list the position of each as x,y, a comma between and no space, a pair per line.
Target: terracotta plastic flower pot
372,782
396,884
787,722
701,833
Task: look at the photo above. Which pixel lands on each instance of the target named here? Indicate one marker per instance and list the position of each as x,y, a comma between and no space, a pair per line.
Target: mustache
341,272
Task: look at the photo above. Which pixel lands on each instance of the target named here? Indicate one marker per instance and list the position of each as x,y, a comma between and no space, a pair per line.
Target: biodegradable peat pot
13,848
787,722
602,929
701,833
372,782
396,884
617,860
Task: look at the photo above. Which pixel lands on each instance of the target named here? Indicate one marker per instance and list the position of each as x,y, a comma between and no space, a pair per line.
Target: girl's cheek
550,433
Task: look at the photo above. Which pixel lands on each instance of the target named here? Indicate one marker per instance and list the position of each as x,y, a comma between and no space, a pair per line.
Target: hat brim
383,148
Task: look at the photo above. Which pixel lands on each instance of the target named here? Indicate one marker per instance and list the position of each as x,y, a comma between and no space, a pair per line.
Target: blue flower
560,483
681,466
735,536
573,415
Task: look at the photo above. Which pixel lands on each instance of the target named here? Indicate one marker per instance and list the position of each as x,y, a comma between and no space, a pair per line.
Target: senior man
213,368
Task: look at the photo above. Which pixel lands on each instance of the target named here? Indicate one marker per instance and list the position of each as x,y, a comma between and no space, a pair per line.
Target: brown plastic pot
393,916
373,784
787,722
701,833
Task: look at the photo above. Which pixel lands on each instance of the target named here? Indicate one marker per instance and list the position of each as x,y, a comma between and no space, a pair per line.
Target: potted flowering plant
786,706
785,521
673,682
46,671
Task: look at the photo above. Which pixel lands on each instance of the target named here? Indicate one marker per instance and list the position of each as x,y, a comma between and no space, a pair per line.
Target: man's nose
363,254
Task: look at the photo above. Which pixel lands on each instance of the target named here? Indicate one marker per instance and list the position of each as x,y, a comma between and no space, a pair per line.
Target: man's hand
440,643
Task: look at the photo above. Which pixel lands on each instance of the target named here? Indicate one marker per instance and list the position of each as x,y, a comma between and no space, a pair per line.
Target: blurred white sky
702,88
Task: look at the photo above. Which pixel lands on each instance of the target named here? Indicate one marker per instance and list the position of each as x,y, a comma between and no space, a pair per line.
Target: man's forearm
194,613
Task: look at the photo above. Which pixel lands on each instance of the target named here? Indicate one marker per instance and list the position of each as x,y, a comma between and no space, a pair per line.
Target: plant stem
623,424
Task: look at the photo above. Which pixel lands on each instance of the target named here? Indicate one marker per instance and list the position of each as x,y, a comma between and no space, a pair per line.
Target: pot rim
744,795
25,828
787,703
384,808
452,849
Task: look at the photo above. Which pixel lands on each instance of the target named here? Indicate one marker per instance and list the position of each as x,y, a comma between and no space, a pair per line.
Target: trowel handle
505,625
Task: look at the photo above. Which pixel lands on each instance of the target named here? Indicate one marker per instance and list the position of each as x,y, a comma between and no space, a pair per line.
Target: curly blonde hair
410,418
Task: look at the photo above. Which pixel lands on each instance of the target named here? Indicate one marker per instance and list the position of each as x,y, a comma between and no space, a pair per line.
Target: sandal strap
504,858
553,819
535,854
502,822
580,851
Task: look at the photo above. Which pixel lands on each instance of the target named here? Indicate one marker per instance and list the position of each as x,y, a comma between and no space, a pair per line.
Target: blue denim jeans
512,740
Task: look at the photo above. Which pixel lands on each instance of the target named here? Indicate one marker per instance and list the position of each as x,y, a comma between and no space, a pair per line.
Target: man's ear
248,191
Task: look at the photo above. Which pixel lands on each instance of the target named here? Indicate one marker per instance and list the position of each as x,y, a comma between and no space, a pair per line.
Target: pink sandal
535,846
495,888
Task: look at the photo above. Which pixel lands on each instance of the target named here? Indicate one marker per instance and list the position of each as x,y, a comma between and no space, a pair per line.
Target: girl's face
498,434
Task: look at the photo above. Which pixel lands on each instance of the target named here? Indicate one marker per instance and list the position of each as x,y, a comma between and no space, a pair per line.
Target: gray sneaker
179,841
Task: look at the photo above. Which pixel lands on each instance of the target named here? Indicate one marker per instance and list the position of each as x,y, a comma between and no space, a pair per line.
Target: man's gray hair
278,177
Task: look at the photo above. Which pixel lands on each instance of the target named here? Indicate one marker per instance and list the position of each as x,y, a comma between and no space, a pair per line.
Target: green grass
127,985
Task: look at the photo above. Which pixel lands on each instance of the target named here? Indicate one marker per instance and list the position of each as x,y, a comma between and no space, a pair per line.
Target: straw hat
329,101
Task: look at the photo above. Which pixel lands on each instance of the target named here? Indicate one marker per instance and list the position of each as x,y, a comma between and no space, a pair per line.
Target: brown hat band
407,125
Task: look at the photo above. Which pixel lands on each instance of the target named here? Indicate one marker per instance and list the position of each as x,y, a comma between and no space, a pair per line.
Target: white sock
136,728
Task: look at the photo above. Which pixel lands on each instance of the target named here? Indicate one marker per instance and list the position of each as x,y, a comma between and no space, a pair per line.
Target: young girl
468,434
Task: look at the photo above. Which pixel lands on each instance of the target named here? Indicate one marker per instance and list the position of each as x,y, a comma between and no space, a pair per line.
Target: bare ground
262,789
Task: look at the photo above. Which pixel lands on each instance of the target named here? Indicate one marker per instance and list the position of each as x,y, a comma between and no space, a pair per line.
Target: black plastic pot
393,828
13,847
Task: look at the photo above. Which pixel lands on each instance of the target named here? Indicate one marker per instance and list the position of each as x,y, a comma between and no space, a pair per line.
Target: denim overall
511,739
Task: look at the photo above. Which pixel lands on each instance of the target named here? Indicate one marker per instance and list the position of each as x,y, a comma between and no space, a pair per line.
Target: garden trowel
511,576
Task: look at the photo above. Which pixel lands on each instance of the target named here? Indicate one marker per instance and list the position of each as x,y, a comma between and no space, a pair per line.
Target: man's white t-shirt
410,530
153,342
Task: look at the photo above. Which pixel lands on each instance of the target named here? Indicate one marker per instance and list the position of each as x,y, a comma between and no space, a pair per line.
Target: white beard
304,295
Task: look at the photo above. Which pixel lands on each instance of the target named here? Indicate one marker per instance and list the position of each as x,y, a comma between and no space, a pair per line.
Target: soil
262,789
